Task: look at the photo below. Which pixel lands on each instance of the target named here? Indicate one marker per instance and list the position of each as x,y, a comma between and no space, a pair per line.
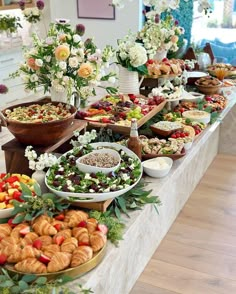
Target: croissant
15,233
9,241
92,225
21,254
44,228
51,249
59,261
30,237
5,230
81,234
8,250
81,255
69,245
74,217
65,233
31,265
41,218
62,225
97,240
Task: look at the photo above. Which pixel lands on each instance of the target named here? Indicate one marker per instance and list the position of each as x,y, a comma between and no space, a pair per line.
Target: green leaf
18,219
122,204
25,189
23,285
41,281
65,279
117,213
15,290
28,217
133,205
28,278
7,284
37,189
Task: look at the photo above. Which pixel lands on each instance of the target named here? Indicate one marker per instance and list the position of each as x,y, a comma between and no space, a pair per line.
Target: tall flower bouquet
160,34
64,62
32,14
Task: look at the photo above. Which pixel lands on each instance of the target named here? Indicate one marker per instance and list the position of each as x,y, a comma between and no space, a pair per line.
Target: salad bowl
105,187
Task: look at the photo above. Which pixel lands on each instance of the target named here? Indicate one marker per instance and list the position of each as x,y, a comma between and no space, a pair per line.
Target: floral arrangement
3,89
64,62
9,23
85,139
160,34
34,14
40,162
132,54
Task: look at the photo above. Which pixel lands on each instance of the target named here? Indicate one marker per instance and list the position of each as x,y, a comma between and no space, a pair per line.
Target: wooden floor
198,255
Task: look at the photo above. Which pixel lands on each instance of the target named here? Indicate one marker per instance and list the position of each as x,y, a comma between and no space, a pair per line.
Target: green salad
65,176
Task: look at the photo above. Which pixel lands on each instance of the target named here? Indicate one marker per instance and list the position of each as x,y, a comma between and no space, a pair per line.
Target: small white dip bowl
157,167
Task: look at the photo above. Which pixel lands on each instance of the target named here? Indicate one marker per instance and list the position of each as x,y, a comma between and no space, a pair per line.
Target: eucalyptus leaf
18,219
15,290
37,189
25,189
7,284
41,281
122,204
23,285
28,278
28,217
117,213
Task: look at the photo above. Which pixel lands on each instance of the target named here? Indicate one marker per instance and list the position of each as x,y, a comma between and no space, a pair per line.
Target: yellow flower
85,70
174,39
62,52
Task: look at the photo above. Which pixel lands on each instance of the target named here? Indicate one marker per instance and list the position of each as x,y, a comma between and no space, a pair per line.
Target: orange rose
174,39
62,52
62,37
85,70
31,63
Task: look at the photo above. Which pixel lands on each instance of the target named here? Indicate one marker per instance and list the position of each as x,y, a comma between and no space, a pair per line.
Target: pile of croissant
48,245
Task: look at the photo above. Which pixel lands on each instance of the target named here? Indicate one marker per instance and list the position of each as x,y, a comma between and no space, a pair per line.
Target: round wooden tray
173,156
71,272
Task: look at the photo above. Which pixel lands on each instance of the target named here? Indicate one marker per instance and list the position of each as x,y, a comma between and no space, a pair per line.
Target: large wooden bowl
39,134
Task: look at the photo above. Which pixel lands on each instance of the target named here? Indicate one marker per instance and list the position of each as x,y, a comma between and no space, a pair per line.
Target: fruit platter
10,190
69,243
66,180
116,111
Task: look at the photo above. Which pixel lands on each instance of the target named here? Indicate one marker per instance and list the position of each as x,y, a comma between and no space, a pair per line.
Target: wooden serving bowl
39,134
208,90
164,133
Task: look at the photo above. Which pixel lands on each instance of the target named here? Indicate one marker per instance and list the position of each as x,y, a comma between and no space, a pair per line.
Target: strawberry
105,120
102,228
132,97
150,61
25,230
37,244
10,222
60,217
83,244
3,259
44,259
57,227
83,224
59,240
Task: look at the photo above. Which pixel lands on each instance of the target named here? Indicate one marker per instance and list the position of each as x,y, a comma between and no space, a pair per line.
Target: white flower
59,75
73,62
76,38
63,65
112,80
48,58
34,78
39,62
138,55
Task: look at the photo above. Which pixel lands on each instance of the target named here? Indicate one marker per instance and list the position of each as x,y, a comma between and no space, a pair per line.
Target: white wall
104,31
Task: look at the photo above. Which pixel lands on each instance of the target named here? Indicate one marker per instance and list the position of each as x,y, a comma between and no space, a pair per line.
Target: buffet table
145,229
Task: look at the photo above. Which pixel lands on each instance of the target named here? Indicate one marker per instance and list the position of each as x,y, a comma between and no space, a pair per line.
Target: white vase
128,81
34,29
59,96
39,176
160,54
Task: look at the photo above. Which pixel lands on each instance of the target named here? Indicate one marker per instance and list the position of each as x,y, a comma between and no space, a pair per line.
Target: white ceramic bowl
95,169
193,97
153,168
197,115
5,213
188,145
